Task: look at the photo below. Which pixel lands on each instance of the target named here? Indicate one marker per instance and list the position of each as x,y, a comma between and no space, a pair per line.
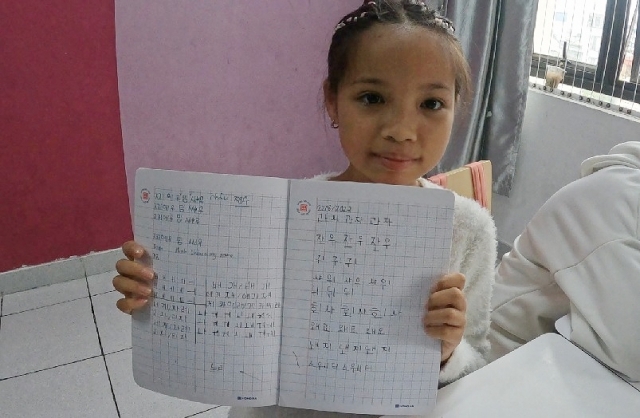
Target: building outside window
594,42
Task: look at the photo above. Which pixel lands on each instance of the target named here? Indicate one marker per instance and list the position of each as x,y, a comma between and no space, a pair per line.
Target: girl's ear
330,101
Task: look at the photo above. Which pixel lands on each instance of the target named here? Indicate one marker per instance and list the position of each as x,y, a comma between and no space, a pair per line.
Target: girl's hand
135,279
445,313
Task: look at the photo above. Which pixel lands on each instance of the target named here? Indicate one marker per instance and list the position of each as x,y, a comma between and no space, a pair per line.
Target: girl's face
394,106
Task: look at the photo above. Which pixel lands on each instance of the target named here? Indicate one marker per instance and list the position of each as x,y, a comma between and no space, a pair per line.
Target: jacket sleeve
474,255
526,299
604,304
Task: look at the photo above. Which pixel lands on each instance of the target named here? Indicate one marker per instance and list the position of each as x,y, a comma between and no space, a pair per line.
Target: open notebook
299,293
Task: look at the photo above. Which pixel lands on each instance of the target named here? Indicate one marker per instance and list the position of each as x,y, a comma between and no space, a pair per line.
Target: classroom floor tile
47,337
114,327
65,352
136,402
58,392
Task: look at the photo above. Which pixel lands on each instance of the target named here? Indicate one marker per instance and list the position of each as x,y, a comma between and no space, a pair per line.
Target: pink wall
61,159
228,86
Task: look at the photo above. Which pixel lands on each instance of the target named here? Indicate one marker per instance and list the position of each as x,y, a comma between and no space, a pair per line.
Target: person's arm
604,291
580,254
526,299
473,254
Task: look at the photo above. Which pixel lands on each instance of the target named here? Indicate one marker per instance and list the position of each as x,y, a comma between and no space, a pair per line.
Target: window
595,20
559,16
594,44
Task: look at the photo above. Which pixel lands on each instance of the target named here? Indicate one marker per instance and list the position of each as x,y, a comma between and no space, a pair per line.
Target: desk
547,377
563,326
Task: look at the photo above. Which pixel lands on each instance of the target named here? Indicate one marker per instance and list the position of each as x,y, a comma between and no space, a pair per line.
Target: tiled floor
65,351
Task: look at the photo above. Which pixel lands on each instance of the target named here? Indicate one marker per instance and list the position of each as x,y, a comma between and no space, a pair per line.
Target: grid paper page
360,264
216,242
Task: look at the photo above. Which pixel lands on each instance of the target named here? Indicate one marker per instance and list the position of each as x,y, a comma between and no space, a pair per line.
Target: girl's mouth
395,162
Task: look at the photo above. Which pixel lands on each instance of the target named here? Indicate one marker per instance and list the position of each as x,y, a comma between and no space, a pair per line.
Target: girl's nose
400,125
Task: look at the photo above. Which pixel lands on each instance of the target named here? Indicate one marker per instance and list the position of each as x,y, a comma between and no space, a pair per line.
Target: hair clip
444,23
354,16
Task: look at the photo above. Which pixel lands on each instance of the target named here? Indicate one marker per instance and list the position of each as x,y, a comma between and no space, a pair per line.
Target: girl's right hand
135,279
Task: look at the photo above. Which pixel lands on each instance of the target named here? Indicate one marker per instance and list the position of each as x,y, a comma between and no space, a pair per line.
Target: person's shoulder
601,207
601,188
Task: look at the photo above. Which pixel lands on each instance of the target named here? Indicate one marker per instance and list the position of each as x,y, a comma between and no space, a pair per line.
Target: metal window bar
628,18
636,49
607,70
635,60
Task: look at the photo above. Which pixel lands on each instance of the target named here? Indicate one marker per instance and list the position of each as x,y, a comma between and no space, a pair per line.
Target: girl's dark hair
412,12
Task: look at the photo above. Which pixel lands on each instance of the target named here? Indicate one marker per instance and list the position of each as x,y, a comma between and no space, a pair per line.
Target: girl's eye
432,104
371,99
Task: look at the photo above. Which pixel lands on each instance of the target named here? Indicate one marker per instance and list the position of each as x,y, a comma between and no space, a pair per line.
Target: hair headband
367,9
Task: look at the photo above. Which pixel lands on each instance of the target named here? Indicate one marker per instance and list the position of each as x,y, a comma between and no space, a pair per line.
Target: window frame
603,77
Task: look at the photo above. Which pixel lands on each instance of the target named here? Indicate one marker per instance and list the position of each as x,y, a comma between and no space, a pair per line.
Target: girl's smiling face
394,106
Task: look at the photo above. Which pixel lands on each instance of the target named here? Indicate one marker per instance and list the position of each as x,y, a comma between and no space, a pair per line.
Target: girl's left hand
445,313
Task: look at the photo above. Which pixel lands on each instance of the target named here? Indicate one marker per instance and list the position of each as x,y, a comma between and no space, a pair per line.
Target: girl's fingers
444,317
448,281
132,250
134,278
446,325
128,305
444,333
447,298
446,308
130,287
134,270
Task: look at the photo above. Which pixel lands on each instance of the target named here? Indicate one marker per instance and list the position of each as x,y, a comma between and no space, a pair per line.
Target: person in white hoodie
579,255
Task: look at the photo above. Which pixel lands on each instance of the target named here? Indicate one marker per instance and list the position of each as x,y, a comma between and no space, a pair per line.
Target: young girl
395,75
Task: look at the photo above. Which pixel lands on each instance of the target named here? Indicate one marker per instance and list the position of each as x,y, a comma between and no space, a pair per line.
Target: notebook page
212,332
361,259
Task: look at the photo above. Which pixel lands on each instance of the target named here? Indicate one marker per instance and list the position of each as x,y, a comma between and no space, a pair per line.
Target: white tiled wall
58,271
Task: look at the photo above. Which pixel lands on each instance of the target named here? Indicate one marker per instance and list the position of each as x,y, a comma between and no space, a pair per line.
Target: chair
472,180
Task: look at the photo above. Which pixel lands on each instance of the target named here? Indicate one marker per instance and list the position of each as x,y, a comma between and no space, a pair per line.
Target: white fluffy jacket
473,254
579,255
